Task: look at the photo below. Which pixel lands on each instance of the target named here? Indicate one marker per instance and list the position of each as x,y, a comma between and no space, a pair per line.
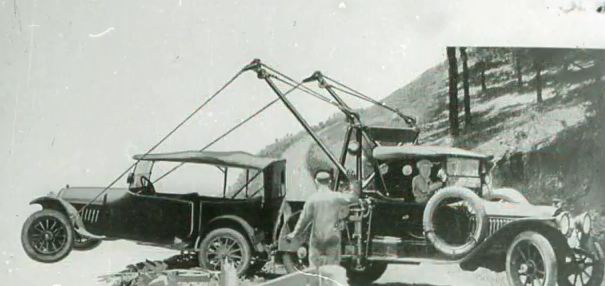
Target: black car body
172,219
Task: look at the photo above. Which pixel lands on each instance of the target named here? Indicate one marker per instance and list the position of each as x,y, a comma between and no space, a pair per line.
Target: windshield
464,172
462,167
142,169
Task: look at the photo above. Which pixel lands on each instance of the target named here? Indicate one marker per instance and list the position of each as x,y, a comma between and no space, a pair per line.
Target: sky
87,84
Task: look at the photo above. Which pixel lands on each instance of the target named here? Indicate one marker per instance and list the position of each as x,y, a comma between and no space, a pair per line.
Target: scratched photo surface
86,85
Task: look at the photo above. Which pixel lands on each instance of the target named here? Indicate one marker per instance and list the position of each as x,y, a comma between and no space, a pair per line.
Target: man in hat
324,211
422,186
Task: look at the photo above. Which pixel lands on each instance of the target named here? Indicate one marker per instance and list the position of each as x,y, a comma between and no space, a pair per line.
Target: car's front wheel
588,267
225,244
47,236
531,260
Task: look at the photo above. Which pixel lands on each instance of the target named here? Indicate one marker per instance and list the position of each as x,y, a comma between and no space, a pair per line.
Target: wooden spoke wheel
47,236
225,244
588,267
531,260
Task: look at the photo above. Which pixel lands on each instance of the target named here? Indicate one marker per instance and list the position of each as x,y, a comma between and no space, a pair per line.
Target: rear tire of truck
47,236
225,244
371,273
531,258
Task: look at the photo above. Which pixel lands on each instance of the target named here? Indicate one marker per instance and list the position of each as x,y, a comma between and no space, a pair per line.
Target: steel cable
195,111
358,94
228,132
301,87
308,91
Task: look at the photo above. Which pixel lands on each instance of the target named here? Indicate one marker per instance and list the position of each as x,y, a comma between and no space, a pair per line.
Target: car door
151,219
399,218
274,194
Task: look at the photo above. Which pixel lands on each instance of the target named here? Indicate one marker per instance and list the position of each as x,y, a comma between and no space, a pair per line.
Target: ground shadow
405,284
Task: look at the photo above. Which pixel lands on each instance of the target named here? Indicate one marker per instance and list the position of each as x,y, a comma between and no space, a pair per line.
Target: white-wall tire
474,202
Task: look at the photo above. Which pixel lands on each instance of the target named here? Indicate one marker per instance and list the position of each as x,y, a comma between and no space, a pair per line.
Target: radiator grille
90,215
496,223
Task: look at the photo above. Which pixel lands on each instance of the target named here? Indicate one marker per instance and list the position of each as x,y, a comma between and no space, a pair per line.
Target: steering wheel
146,186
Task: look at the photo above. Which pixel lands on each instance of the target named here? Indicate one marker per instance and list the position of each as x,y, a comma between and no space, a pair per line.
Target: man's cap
424,162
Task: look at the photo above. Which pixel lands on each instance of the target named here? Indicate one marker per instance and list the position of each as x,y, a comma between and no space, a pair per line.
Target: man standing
323,211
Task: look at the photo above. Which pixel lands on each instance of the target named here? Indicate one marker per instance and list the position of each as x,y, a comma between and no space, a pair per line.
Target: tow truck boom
262,73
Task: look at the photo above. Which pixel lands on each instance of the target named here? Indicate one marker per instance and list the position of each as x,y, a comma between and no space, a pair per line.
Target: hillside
550,149
547,150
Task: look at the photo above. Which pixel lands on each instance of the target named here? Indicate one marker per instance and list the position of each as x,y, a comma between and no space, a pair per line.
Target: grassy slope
548,150
545,150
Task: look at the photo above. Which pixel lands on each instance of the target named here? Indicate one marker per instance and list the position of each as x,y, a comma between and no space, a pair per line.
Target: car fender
248,229
491,253
53,201
506,194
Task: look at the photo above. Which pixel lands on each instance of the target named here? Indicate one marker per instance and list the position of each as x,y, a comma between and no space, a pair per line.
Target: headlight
583,223
564,222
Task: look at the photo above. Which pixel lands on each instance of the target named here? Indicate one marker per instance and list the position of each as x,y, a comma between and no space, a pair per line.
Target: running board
412,261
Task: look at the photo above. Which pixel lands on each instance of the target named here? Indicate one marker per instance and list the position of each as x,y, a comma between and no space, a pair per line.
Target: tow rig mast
268,74
355,127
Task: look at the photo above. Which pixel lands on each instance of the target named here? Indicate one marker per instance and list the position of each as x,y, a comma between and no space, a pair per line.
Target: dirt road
437,275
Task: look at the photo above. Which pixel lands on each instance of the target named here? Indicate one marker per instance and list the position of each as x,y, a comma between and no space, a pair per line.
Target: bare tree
483,58
465,85
517,54
538,65
453,90
539,57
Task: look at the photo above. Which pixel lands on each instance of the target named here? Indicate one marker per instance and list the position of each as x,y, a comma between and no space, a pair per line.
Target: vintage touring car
237,225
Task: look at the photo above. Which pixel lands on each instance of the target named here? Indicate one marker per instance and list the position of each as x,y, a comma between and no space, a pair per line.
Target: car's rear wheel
588,267
225,244
369,274
47,236
531,260
82,243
